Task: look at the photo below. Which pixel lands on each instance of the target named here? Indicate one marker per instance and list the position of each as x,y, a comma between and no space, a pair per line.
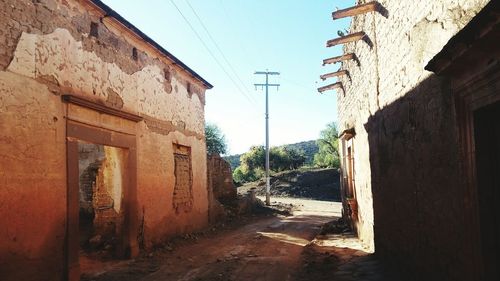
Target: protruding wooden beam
333,86
344,57
373,6
349,38
347,134
334,74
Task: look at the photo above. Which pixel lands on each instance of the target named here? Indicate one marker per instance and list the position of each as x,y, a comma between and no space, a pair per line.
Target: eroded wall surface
221,179
49,48
407,179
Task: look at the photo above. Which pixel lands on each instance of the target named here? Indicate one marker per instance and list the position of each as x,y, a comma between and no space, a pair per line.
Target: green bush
252,165
328,154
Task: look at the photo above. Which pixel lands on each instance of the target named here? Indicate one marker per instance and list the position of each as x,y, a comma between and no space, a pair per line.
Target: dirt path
264,249
269,249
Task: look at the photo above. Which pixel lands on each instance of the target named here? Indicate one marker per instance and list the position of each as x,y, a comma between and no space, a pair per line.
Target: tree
254,158
296,158
328,154
252,163
280,158
284,158
216,141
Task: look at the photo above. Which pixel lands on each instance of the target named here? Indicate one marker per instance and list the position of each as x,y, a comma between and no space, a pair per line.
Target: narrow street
268,248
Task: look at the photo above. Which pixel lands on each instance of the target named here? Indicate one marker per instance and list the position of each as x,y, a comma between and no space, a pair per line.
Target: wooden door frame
75,132
470,96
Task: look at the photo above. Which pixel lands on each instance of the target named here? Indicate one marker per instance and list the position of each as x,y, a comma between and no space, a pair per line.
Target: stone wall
405,151
53,47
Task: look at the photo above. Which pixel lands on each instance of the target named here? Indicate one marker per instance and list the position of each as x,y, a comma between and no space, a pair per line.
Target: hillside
317,184
308,147
234,160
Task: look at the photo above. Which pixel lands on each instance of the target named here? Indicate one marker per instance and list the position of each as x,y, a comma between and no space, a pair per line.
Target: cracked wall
399,111
221,179
79,51
101,187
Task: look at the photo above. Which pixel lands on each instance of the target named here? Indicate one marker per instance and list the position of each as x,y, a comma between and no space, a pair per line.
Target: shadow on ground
263,248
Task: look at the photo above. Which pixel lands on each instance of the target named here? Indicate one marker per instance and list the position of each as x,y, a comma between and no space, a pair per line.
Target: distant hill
317,184
234,160
308,147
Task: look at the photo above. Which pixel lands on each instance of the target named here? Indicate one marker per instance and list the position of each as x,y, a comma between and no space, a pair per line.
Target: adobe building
102,146
419,111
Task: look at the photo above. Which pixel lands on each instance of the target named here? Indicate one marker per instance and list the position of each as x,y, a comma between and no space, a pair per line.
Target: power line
217,46
211,54
252,32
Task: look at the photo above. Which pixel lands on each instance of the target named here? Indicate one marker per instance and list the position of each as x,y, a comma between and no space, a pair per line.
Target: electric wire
251,33
211,53
218,48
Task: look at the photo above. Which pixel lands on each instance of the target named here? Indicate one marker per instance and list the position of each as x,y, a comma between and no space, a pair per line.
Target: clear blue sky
288,36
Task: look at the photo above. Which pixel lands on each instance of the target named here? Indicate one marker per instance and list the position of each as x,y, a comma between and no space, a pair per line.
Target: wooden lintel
85,102
344,57
331,87
347,134
373,6
346,39
334,74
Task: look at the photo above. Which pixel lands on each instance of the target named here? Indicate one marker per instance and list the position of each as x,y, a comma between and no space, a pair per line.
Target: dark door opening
102,217
487,146
102,180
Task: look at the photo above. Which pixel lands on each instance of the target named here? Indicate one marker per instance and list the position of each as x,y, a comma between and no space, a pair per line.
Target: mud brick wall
53,47
408,187
221,178
183,189
89,162
220,187
108,193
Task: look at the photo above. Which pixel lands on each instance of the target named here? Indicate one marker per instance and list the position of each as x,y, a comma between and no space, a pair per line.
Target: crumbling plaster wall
108,193
55,47
221,178
405,132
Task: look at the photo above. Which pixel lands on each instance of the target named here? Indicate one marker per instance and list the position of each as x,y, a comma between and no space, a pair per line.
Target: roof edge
112,13
460,42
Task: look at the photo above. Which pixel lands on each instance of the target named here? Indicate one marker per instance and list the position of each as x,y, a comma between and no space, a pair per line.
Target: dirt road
265,249
269,249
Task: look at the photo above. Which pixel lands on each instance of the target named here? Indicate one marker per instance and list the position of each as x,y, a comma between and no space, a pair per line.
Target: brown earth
318,184
259,248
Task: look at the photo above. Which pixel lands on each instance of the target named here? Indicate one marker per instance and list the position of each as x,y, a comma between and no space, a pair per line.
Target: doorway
101,227
102,176
487,148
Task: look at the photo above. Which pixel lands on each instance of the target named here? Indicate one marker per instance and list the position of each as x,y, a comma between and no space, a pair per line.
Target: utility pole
268,180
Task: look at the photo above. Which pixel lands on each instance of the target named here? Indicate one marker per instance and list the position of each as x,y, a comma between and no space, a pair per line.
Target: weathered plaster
63,59
41,59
